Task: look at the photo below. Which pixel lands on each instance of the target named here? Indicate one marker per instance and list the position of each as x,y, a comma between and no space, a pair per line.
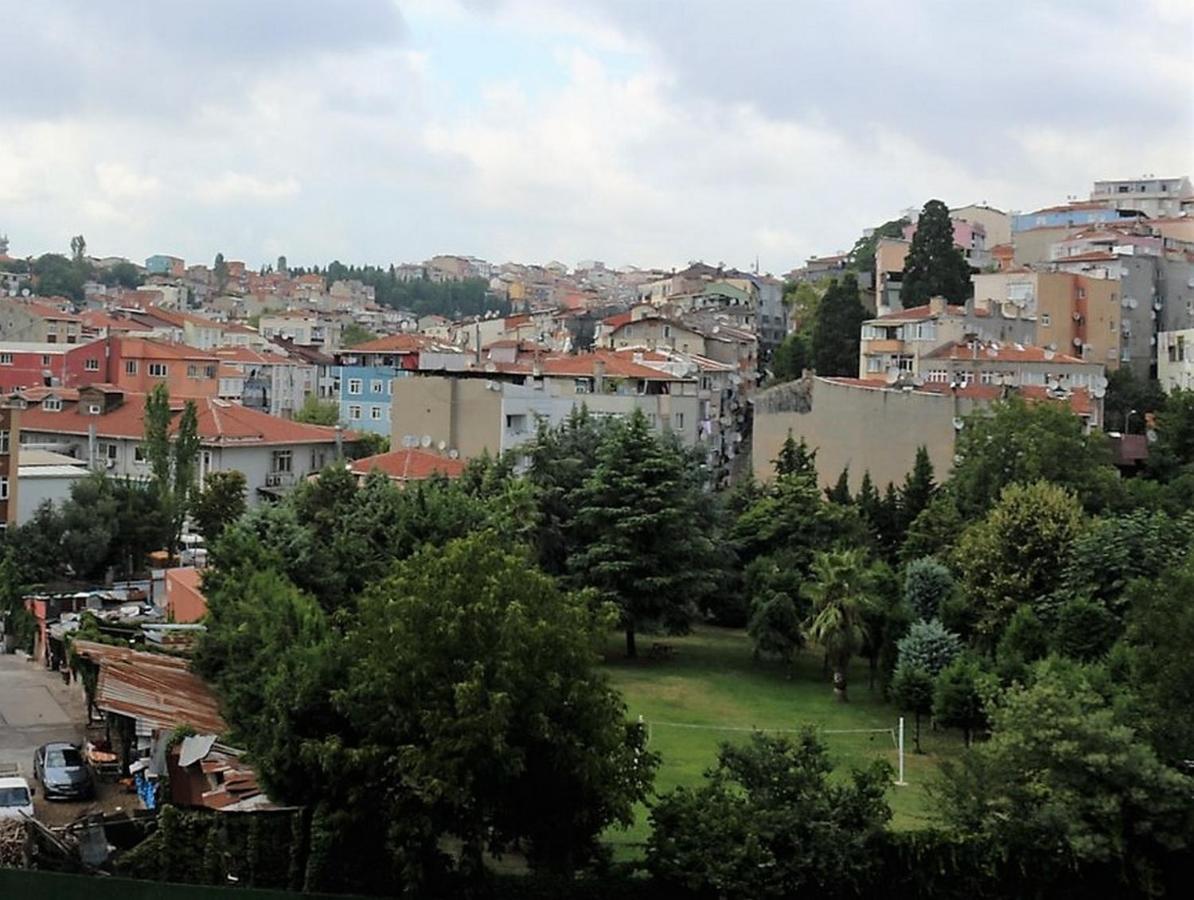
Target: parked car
16,797
63,772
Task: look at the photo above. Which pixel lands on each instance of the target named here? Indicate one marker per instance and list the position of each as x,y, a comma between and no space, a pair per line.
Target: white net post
900,781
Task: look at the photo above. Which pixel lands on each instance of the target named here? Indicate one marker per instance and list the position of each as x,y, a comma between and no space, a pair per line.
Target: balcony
882,345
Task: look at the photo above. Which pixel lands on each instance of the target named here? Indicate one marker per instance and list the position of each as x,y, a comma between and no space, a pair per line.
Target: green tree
1129,398
1172,454
1014,442
912,691
1024,641
935,266
918,489
775,627
219,273
184,464
862,255
1160,633
837,329
928,646
927,585
840,492
476,675
1063,782
795,458
354,334
840,593
56,276
123,274
770,822
78,250
1015,556
1085,629
220,503
935,530
318,412
958,696
790,358
868,500
636,544
172,464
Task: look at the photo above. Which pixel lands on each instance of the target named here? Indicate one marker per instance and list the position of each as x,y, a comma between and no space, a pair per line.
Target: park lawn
712,679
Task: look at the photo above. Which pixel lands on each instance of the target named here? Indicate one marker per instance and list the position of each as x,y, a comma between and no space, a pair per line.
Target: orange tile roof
248,355
220,424
616,322
47,311
1000,352
409,465
918,312
147,348
404,342
1079,399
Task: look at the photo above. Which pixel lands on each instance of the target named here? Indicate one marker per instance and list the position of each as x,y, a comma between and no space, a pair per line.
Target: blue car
63,772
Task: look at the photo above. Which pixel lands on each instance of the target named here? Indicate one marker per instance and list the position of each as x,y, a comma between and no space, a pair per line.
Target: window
390,387
52,404
1046,319
139,454
905,363
91,365
376,386
678,419
375,412
583,385
108,450
157,370
354,386
5,359
354,412
4,439
874,364
1081,293
192,371
45,360
282,461
988,377
94,409
4,487
130,367
937,375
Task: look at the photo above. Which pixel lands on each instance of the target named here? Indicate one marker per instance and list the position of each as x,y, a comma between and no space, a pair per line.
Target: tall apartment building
1155,197
10,453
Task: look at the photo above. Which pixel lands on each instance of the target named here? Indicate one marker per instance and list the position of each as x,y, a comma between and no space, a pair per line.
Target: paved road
36,708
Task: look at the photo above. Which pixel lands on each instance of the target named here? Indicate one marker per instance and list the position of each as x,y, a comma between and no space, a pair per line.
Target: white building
1175,360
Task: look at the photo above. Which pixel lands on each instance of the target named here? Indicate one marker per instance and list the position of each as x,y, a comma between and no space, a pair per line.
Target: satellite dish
24,292
1099,391
1077,342
453,453
958,424
1126,303
442,445
1133,303
426,441
893,375
409,440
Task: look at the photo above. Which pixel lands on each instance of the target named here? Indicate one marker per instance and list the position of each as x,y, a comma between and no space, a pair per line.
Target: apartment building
1175,360
10,461
39,321
1155,197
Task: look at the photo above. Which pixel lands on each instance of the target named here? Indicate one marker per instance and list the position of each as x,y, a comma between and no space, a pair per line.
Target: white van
15,798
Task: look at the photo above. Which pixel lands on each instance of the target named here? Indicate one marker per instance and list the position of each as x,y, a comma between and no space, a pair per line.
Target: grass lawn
712,680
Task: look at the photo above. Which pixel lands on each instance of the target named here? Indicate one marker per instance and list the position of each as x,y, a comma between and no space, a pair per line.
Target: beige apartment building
1075,314
996,222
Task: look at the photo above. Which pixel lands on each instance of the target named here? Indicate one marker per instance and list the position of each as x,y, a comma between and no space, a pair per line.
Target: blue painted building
363,379
1072,215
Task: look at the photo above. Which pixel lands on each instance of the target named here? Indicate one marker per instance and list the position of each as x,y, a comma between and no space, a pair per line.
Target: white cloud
232,187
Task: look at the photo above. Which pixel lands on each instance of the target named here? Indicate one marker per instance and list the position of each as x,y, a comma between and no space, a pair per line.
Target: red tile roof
963,350
147,348
613,323
48,311
1079,400
394,343
220,424
918,312
409,465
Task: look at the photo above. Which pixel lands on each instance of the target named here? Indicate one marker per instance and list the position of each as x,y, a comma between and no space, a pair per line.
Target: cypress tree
918,488
795,458
838,328
934,266
840,492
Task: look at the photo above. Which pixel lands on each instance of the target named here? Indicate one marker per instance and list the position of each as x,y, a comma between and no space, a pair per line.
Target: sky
637,132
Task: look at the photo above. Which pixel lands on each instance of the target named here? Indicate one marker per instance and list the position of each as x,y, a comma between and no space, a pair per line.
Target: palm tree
841,595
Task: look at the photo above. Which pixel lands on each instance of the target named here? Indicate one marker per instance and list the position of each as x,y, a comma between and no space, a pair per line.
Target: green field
713,680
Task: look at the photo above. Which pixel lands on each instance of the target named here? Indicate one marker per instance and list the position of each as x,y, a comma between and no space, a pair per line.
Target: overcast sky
637,132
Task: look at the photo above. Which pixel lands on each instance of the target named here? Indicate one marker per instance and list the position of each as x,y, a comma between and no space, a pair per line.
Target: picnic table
661,650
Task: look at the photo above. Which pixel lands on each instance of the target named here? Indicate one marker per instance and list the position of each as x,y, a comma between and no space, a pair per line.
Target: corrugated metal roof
153,688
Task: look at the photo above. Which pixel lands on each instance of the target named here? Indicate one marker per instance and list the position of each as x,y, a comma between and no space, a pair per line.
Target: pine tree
838,328
635,542
935,267
888,520
868,500
918,488
795,459
840,492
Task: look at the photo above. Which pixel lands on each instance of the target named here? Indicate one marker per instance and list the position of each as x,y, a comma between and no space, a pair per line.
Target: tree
790,358
1173,452
1129,399
56,276
862,255
840,595
1085,629
123,274
837,329
219,273
928,646
1016,555
868,500
172,464
927,584
958,696
1024,641
935,266
912,691
635,543
1156,645
185,466
1063,782
775,627
354,334
220,503
918,488
318,412
78,250
840,492
935,529
476,674
770,822
795,459
1017,442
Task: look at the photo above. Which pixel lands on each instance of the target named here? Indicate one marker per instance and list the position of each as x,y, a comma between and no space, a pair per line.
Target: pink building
970,237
